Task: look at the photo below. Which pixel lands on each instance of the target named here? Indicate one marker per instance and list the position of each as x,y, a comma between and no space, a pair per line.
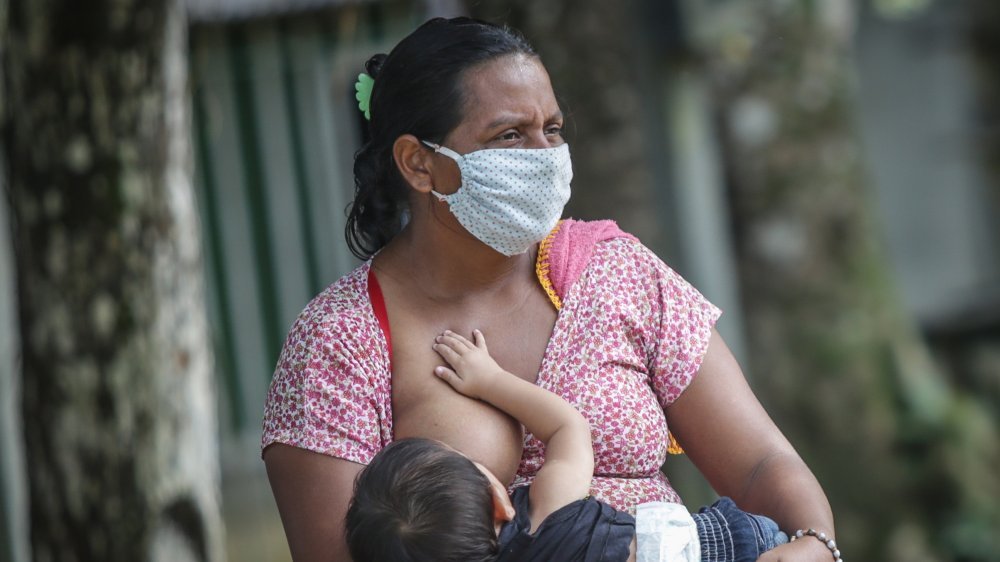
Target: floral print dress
629,337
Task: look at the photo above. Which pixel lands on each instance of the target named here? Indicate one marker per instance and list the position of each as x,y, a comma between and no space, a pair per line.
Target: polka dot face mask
510,198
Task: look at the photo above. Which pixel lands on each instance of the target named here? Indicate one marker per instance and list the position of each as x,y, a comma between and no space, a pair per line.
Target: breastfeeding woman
458,196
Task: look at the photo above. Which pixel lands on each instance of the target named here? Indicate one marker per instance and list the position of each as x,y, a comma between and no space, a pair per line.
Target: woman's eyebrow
511,119
506,120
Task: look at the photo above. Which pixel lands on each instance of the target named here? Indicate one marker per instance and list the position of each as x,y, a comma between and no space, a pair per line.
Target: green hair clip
363,87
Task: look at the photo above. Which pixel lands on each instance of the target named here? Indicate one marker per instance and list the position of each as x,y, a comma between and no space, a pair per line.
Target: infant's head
422,500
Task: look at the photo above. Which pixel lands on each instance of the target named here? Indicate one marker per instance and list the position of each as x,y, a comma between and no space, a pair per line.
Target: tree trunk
118,399
904,458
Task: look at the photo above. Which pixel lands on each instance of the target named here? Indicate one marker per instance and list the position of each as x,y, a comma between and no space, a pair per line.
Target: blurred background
176,172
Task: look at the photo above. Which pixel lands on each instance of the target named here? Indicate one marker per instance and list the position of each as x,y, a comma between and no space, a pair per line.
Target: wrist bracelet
830,543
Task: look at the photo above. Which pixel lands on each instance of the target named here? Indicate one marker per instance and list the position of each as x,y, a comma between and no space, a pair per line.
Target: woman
612,329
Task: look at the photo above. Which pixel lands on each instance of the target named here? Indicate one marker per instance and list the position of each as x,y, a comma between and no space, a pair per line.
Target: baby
420,499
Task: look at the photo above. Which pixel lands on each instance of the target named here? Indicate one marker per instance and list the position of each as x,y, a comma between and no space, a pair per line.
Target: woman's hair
417,91
420,501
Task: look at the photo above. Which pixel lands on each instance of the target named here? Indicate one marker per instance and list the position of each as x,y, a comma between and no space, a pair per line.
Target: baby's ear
502,508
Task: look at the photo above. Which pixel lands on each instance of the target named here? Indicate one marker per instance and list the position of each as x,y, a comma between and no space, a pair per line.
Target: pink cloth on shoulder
573,245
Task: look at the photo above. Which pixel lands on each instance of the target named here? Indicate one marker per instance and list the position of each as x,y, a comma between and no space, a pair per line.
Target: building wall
919,121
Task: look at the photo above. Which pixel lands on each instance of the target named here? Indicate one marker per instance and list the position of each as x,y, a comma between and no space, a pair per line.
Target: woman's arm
312,491
569,454
733,442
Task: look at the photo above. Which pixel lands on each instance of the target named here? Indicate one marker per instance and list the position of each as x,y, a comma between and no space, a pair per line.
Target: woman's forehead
508,89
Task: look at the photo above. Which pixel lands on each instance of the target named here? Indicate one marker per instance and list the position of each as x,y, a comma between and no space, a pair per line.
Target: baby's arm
569,455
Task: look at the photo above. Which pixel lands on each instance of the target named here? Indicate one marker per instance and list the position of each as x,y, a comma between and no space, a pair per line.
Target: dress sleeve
681,322
323,396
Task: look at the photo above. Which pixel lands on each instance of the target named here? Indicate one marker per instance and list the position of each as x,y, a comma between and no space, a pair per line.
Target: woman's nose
538,139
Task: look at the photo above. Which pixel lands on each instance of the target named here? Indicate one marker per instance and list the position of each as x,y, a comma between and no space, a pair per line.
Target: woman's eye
509,135
554,130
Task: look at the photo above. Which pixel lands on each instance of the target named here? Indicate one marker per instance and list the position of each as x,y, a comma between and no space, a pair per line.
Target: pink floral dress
629,337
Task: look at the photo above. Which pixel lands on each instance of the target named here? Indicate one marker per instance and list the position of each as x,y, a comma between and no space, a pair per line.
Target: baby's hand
472,369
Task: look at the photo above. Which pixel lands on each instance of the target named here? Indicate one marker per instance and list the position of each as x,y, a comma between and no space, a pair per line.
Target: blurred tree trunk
594,57
985,41
984,365
904,460
118,400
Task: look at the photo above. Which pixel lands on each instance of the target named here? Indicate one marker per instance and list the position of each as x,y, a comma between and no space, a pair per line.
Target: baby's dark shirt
585,530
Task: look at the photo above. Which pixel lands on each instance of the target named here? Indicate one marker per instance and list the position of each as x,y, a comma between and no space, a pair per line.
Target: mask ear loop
444,150
450,154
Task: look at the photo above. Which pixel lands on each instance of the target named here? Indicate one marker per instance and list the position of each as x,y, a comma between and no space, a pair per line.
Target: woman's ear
415,162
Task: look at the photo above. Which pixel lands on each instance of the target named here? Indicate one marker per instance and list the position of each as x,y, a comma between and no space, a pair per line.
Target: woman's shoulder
628,247
568,251
335,342
330,390
628,265
625,270
341,311
610,250
610,259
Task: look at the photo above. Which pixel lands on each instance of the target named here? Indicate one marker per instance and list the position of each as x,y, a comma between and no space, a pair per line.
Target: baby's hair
421,501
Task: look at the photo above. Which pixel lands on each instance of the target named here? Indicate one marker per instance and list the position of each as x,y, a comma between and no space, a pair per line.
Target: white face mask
510,198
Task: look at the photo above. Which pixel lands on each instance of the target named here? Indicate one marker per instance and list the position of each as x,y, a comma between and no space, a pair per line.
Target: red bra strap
378,307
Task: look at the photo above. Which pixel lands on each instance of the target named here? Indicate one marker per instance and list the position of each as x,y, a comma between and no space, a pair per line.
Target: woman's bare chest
425,406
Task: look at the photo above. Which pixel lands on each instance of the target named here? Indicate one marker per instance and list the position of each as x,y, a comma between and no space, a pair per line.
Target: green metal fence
275,129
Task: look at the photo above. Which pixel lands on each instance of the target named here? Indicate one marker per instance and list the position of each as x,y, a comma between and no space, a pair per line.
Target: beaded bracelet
830,543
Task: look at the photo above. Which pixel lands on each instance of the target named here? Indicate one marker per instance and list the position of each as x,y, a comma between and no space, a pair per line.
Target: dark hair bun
374,65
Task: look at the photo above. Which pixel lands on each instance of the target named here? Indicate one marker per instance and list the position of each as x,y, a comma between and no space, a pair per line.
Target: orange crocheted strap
542,267
673,447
